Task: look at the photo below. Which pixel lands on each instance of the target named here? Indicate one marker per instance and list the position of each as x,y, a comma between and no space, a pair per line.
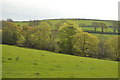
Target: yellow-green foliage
41,36
95,25
68,38
10,32
66,33
36,37
112,46
85,44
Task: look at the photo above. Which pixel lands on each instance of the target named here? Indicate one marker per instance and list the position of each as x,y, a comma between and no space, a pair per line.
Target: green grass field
106,36
86,22
110,30
30,63
21,23
78,22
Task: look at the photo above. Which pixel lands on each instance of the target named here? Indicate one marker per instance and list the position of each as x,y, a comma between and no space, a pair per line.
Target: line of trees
69,39
102,25
97,25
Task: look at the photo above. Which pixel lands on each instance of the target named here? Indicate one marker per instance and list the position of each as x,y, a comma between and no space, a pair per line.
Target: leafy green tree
40,37
118,27
115,26
66,34
59,24
34,22
112,46
49,22
85,44
102,48
23,39
102,25
95,25
52,45
10,32
25,31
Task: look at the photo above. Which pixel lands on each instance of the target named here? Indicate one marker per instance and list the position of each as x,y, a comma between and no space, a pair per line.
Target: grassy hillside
107,36
29,63
98,29
21,23
86,22
81,22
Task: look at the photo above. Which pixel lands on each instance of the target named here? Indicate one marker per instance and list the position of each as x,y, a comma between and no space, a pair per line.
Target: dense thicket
85,44
67,39
10,31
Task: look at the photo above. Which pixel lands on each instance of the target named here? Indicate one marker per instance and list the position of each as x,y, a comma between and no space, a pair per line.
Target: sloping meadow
30,63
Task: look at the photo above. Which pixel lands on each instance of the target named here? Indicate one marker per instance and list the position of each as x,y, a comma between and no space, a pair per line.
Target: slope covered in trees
69,38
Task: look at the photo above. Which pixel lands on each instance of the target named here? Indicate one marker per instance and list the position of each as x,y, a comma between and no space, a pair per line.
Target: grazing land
81,23
21,62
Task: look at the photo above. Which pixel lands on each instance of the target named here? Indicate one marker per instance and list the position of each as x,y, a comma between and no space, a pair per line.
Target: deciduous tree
112,46
66,33
95,25
102,25
85,44
10,32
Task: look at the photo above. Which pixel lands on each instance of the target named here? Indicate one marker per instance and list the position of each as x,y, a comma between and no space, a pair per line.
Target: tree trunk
102,30
95,29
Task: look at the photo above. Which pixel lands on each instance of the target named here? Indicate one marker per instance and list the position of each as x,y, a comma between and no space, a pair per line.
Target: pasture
21,23
110,30
82,22
79,23
21,62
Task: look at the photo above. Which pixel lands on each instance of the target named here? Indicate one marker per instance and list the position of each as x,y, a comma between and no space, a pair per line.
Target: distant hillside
85,24
108,22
